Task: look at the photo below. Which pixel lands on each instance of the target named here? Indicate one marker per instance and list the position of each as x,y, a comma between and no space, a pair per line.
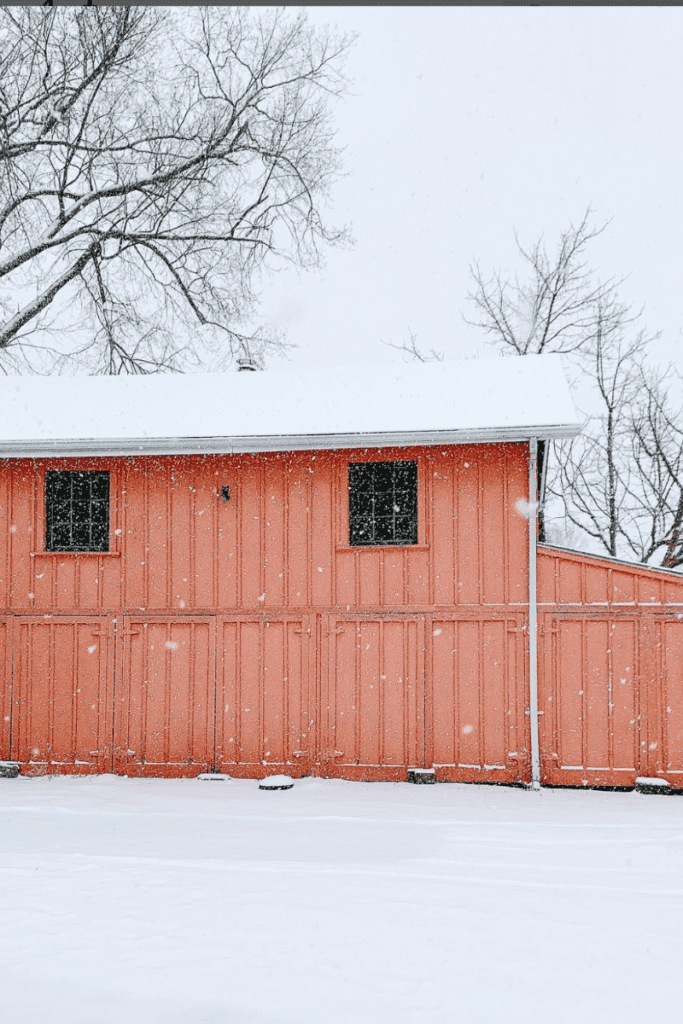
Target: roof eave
294,442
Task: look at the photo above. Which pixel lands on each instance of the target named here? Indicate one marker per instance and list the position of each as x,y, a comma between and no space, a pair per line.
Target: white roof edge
613,560
288,443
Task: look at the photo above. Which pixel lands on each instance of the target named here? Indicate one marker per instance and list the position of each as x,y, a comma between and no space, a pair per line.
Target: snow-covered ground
187,902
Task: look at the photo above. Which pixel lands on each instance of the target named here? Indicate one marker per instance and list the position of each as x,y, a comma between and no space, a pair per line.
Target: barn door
165,701
61,700
593,727
5,690
265,713
373,697
478,698
665,746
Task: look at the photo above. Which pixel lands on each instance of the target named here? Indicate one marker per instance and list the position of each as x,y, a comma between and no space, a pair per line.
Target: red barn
330,572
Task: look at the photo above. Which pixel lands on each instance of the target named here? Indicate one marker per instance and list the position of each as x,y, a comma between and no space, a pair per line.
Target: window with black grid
77,510
382,503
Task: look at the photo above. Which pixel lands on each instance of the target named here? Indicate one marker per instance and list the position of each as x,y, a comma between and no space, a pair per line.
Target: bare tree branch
620,483
412,349
553,308
199,138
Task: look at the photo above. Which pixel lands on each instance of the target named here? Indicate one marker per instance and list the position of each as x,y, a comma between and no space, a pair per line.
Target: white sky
465,123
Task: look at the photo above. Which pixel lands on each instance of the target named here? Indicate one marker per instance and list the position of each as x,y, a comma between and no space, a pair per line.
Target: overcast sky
467,123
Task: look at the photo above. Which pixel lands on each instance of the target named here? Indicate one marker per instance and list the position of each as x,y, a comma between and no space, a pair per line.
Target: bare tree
153,163
553,308
620,483
656,439
592,475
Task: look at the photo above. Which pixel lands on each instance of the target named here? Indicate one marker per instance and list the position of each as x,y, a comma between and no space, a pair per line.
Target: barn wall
610,671
242,633
234,635
246,633
281,541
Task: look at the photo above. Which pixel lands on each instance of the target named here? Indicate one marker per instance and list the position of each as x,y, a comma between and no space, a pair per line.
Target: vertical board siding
322,530
179,526
249,511
478,700
444,532
468,530
571,578
610,678
5,512
275,505
297,547
247,634
265,715
493,530
165,705
21,537
280,542
517,526
670,743
374,697
60,695
5,690
204,529
592,721
225,555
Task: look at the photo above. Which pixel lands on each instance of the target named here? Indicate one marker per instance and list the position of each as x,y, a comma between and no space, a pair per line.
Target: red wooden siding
610,671
280,542
248,634
5,688
266,714
374,697
61,700
479,697
164,719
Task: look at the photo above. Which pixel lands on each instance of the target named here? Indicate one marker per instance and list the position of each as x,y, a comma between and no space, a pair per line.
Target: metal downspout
533,614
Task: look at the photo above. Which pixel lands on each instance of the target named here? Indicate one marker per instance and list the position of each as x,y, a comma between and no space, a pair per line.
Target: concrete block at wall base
9,769
422,776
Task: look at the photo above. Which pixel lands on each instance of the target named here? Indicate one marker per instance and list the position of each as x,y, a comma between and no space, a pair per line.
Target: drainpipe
533,614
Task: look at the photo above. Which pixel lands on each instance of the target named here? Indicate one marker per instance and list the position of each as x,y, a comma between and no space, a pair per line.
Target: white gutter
74,447
533,614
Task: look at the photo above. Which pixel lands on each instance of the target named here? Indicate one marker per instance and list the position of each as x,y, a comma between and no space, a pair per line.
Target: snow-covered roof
482,400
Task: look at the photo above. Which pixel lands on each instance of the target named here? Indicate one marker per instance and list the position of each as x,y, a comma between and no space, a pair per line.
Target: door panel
5,690
477,702
61,716
373,697
165,708
591,675
265,715
671,741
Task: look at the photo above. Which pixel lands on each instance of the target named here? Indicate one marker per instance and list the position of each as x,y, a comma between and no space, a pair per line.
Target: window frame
48,513
375,544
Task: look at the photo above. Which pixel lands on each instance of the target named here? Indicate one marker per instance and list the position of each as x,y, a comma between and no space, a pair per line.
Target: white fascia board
296,442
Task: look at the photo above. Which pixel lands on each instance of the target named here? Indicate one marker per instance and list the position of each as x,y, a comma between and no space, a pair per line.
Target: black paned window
382,503
77,510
